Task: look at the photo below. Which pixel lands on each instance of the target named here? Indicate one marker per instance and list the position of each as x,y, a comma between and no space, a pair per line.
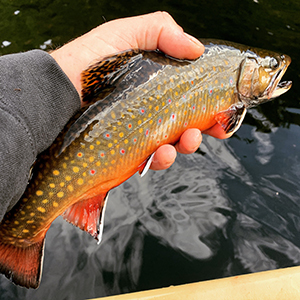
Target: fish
136,100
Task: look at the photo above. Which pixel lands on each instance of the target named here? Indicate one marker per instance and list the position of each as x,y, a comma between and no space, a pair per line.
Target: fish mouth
277,88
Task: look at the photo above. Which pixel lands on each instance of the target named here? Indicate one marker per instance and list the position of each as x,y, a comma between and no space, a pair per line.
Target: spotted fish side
152,100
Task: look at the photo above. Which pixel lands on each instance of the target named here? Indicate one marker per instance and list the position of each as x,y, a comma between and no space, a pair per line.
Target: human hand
148,32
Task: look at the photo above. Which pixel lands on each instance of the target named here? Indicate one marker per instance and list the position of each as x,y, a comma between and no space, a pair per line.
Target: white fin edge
148,164
101,218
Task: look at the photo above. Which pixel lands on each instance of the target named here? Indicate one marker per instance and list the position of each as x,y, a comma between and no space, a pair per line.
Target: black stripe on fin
232,118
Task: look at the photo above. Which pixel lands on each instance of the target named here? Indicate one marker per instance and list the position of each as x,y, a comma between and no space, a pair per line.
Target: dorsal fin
100,78
110,80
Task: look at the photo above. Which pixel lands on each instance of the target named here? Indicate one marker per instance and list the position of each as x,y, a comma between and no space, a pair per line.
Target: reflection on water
231,208
207,216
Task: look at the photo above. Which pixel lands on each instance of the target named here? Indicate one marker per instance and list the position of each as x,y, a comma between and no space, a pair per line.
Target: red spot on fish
134,140
129,126
102,154
169,101
185,124
122,151
107,135
79,154
159,121
210,91
192,82
92,172
194,107
142,111
173,117
147,132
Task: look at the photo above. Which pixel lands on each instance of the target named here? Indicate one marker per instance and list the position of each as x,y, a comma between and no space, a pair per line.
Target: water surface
231,208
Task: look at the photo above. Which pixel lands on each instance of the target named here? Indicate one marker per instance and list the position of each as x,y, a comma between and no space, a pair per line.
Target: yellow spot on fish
112,152
55,204
150,122
98,142
41,209
104,170
113,161
56,172
80,181
32,214
91,159
75,169
68,178
92,147
60,194
45,201
139,122
150,115
29,206
70,188
126,141
62,184
39,193
98,163
84,164
25,230
141,130
29,222
166,111
16,222
214,68
157,108
23,212
110,145
157,97
113,115
121,134
65,165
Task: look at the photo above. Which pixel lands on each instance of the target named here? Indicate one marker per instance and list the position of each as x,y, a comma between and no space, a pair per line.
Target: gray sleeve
36,101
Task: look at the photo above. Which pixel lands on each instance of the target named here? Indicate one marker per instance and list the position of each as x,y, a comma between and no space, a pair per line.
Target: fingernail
194,40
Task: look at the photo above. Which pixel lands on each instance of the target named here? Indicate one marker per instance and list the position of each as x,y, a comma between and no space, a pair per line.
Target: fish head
259,78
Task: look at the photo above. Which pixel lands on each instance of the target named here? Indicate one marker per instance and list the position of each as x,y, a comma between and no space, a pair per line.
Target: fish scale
140,101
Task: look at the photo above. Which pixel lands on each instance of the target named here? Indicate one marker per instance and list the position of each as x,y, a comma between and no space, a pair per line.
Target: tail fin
22,265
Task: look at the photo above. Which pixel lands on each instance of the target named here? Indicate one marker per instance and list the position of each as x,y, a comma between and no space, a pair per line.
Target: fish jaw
259,78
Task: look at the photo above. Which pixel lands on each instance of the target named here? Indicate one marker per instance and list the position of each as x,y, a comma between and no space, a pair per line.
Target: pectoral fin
232,118
88,215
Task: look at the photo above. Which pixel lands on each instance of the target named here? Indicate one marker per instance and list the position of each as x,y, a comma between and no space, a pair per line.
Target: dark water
231,208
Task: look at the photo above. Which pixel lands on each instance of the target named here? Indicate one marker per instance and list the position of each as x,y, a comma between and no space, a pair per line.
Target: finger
162,32
149,32
163,158
218,132
189,141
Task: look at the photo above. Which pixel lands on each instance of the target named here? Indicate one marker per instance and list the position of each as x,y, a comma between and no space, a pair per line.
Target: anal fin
88,215
232,118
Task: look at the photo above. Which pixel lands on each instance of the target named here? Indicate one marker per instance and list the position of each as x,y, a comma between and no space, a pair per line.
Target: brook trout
141,100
